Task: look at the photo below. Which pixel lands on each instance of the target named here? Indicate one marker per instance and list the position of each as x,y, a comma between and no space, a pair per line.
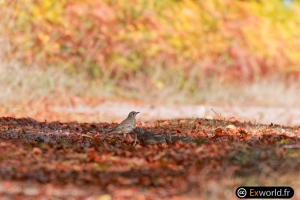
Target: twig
220,117
291,146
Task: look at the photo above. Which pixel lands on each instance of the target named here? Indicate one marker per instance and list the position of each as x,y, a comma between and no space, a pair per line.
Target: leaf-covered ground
74,161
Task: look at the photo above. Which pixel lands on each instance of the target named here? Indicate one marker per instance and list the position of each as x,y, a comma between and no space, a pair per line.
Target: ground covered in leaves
74,161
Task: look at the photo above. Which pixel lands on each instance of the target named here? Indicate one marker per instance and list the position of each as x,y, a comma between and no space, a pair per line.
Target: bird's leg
135,139
168,138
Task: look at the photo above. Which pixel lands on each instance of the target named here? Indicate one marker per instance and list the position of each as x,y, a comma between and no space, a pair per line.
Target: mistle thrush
126,126
172,139
149,138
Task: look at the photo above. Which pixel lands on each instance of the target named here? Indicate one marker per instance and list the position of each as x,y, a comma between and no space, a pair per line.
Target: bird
181,139
172,139
149,138
126,126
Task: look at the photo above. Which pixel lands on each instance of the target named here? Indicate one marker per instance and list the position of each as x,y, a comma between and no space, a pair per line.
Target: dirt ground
72,160
115,110
109,110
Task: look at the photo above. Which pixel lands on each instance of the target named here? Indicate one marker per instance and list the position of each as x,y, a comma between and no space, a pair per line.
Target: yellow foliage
44,38
243,37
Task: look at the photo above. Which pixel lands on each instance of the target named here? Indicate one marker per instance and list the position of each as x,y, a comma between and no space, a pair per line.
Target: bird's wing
123,126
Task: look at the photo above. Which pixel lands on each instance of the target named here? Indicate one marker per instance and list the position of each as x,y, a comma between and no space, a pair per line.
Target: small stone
231,127
290,134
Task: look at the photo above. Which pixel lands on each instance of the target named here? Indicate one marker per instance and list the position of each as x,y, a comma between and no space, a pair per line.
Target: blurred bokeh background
218,52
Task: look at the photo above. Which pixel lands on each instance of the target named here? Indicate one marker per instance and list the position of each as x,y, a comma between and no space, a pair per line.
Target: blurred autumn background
220,52
66,66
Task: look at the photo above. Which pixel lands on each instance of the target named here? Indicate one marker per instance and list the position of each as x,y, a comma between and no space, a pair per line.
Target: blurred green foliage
117,38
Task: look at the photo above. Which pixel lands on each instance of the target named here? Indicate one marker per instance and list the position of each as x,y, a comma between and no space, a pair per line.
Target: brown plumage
126,126
149,138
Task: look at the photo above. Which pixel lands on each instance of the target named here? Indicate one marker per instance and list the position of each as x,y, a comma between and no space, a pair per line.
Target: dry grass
269,91
26,84
19,84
